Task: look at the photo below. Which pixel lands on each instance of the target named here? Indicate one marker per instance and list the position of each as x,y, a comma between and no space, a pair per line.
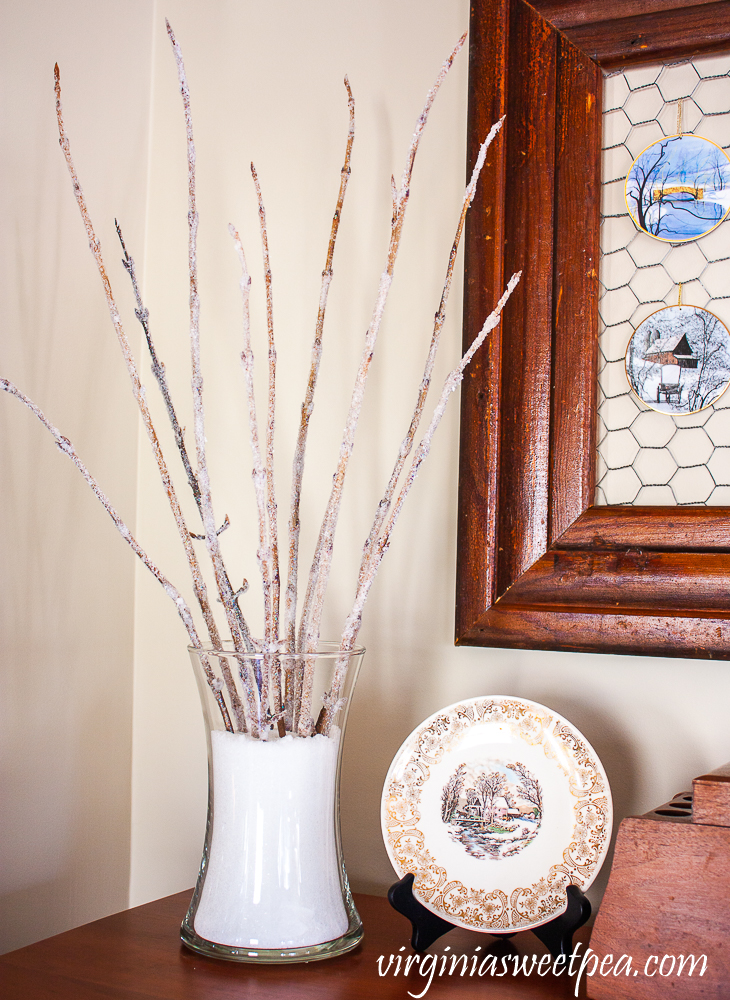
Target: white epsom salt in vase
273,844
272,884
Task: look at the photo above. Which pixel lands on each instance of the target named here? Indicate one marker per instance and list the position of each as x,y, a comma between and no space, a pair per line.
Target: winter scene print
679,188
493,810
678,360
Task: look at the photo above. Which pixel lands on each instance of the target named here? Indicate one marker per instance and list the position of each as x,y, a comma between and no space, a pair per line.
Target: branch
272,623
241,640
65,446
290,611
263,554
198,581
407,444
354,619
158,370
319,572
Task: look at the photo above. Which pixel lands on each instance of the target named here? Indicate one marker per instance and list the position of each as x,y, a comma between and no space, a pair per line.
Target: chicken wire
644,456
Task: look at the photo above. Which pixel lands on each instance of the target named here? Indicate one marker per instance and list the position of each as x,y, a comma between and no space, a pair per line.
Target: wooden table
137,955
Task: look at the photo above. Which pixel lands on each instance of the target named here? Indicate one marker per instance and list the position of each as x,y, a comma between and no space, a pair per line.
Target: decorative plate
496,805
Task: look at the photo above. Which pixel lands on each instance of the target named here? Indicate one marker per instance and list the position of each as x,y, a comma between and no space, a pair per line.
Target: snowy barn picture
678,359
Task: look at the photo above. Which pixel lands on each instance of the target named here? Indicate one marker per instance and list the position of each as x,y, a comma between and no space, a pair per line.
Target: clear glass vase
272,885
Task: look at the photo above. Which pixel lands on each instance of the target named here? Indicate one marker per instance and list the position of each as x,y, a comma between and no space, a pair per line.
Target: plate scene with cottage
678,359
493,809
678,189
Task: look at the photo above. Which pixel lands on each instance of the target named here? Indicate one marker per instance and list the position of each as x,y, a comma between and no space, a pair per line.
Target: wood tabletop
137,955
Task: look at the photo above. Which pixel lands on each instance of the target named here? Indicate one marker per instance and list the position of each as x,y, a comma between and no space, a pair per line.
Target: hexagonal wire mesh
647,457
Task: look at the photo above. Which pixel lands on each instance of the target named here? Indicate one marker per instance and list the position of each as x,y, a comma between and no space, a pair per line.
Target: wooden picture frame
538,565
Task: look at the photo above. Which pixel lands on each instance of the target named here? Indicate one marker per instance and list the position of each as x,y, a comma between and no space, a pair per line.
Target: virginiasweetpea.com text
578,964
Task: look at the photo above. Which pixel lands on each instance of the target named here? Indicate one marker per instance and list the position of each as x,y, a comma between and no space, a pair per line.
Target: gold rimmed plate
496,805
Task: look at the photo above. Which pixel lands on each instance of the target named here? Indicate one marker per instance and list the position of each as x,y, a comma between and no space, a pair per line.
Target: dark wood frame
538,565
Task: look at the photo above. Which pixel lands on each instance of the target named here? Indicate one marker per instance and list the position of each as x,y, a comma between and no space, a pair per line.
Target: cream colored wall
266,84
66,581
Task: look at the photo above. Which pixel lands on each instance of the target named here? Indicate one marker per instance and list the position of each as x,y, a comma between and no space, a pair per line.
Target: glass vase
272,885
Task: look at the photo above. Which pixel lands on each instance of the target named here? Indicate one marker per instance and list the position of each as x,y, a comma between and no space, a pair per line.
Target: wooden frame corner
538,566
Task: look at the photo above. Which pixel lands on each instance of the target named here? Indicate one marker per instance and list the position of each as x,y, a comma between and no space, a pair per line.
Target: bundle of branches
255,695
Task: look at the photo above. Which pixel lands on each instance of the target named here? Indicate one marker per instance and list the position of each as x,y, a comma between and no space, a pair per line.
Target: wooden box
669,895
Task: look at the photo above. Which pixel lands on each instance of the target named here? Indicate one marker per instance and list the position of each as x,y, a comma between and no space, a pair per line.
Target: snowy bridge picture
679,188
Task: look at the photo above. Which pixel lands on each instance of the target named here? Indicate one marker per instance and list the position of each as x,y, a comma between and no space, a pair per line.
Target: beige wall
266,84
66,583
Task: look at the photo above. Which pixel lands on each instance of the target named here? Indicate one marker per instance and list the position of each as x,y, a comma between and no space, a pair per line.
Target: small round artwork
678,189
492,807
678,359
496,805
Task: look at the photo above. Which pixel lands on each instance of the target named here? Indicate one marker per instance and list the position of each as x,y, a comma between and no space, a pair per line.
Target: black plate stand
557,935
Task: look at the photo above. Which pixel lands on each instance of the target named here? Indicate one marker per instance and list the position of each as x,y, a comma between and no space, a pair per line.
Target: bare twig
372,563
225,590
290,611
198,581
181,606
158,370
407,443
293,683
272,625
272,679
262,688
319,572
263,553
224,527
